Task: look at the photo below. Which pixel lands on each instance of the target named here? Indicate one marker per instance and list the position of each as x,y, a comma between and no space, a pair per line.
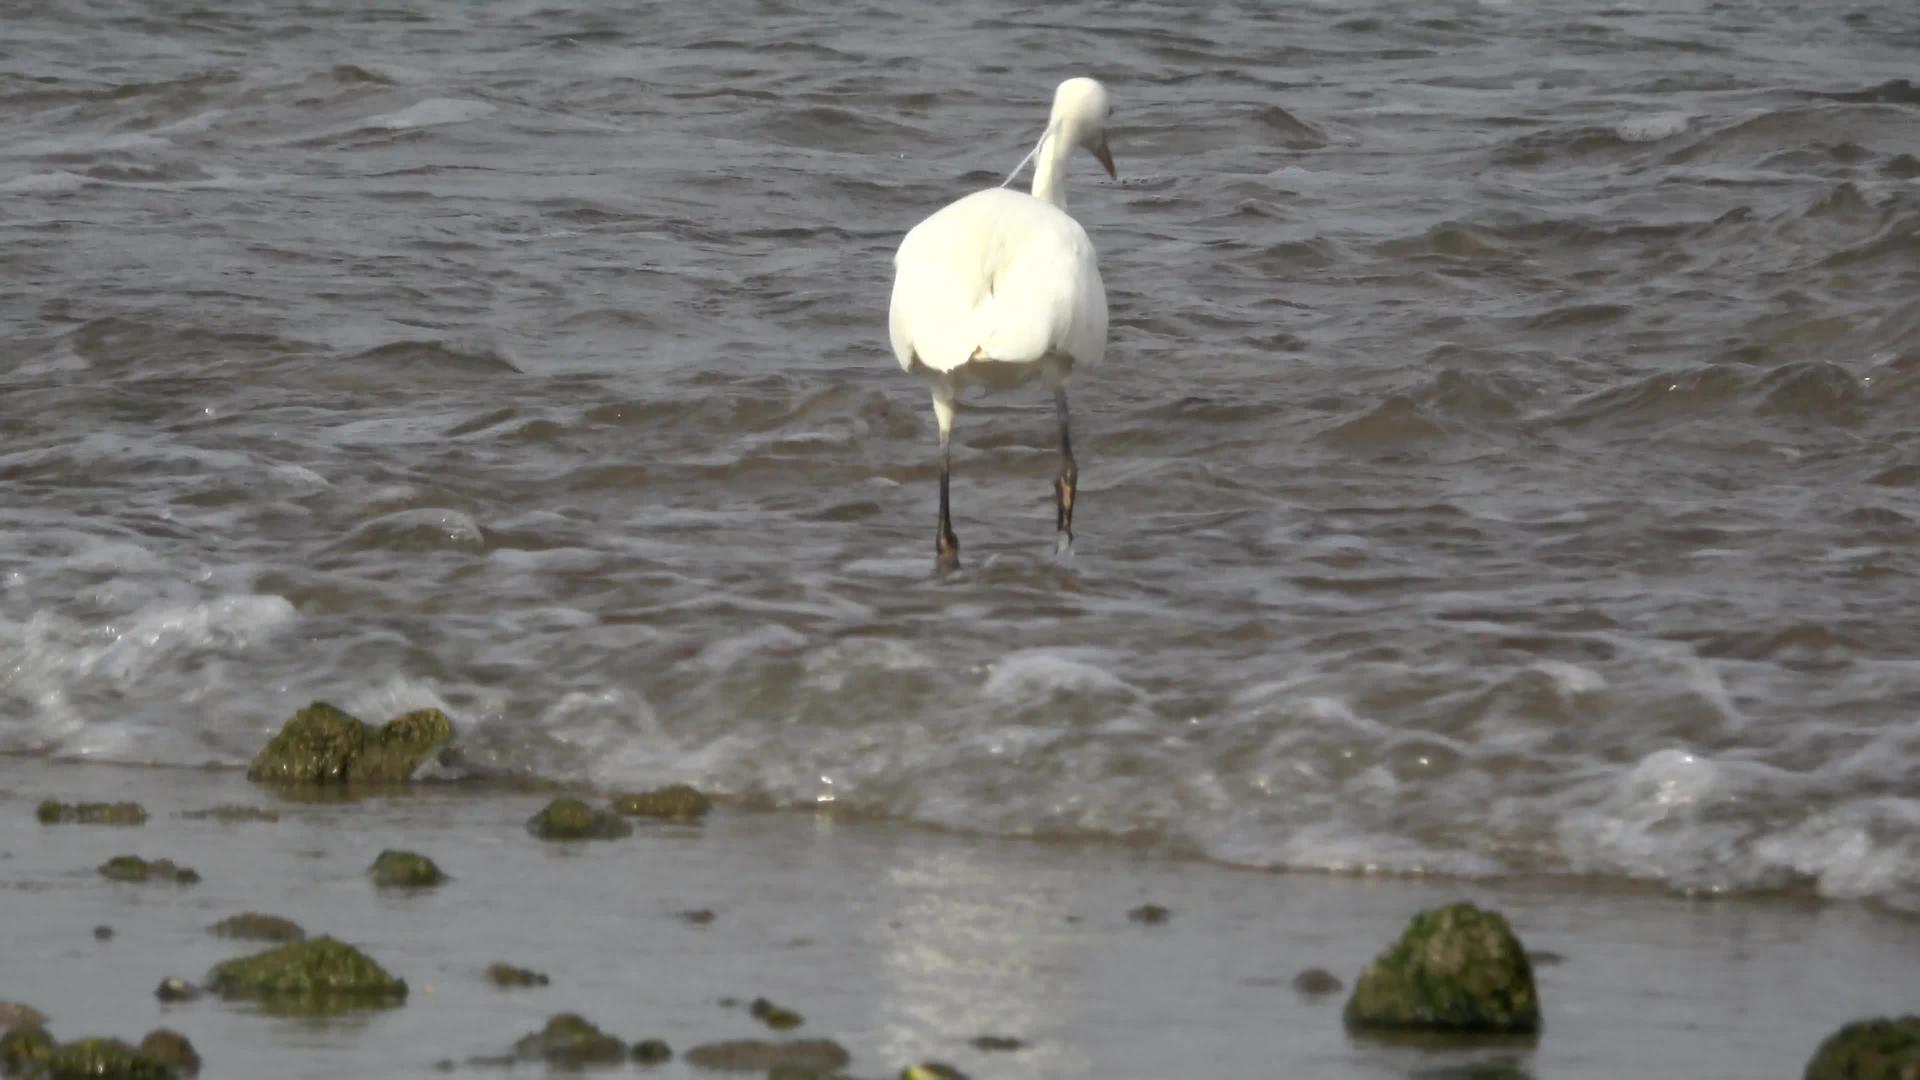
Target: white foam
1571,680
1652,127
432,112
1041,672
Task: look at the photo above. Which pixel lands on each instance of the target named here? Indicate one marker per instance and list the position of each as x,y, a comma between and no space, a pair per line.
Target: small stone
1887,1048
103,933
1315,982
571,819
506,976
171,1048
777,1017
676,802
54,812
1544,957
134,868
1149,914
652,1052
568,1039
405,870
173,988
997,1044
1456,968
761,1055
253,926
698,916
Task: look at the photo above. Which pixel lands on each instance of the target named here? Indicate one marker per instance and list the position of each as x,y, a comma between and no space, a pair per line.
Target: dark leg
946,546
1064,484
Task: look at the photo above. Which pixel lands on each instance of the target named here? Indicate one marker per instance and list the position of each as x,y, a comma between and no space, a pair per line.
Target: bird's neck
1050,169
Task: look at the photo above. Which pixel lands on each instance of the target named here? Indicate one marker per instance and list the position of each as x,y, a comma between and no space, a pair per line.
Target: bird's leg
1064,484
946,546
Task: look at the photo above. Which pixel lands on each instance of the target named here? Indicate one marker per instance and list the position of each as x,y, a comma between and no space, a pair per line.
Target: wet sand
901,943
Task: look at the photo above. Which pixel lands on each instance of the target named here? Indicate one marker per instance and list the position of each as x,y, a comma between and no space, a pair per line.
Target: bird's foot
1063,547
946,554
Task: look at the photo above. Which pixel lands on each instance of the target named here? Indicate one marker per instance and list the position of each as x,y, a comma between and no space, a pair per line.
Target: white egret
1000,287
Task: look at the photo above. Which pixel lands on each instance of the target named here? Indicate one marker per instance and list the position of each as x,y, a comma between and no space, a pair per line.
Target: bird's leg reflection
1065,483
946,546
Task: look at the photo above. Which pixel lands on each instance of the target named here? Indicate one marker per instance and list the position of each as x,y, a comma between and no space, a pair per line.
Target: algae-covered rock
253,926
675,802
1456,968
54,812
169,1047
322,745
13,1014
232,814
652,1052
777,1017
24,1046
571,819
405,870
173,989
108,1059
319,975
568,1039
1887,1048
762,1055
506,976
135,868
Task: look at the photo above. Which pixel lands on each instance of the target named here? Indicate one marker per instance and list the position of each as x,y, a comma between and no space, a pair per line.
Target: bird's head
1080,112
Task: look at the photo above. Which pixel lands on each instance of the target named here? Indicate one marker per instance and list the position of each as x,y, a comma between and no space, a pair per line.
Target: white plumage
1001,287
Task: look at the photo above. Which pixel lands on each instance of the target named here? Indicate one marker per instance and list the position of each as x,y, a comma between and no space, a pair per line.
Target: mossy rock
675,802
508,977
568,1039
54,812
652,1052
253,926
135,868
13,1014
175,989
107,1059
1887,1048
405,870
232,814
322,745
319,975
169,1047
23,1047
571,819
763,1055
777,1017
1456,968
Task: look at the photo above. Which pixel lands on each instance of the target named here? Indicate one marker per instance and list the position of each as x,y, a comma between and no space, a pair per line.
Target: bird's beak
1099,149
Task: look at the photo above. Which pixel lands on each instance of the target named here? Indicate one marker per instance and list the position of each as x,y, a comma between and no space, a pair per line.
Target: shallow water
1505,460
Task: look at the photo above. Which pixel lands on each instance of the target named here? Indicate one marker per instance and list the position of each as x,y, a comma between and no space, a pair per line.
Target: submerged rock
232,814
110,1059
169,1047
1150,914
1886,1048
23,1047
571,819
405,870
320,975
322,745
53,812
568,1039
762,1055
103,933
135,868
675,802
1315,982
777,1017
507,976
652,1052
1456,968
253,926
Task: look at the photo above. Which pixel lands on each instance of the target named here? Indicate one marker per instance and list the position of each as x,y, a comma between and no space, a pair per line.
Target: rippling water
1506,459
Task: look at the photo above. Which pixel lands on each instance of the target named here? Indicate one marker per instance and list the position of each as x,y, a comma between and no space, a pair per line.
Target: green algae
253,926
571,819
777,1017
405,870
675,802
508,977
232,814
106,1059
323,745
314,976
763,1055
932,1070
1885,1048
1456,968
54,812
569,1039
135,868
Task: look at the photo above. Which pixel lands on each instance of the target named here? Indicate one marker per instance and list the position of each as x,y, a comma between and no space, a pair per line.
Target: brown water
1505,461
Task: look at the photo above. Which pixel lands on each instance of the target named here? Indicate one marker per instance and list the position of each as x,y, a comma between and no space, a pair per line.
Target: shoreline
901,942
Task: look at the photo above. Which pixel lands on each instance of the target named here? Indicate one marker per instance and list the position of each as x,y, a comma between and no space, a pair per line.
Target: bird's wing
1000,273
